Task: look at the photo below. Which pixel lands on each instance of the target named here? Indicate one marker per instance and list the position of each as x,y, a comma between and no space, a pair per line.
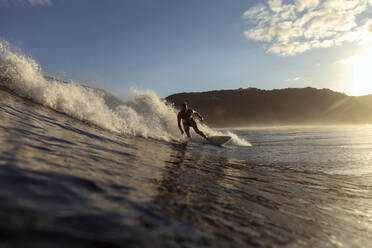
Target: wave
144,115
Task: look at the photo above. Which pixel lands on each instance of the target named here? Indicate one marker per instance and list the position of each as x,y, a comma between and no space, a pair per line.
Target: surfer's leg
197,130
187,130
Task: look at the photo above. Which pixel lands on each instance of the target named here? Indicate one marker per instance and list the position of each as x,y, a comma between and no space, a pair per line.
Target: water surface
69,183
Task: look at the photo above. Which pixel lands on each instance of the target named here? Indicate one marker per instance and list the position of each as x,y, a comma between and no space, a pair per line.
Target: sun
362,73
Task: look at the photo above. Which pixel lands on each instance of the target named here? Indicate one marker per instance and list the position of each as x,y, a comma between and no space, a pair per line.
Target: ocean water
81,168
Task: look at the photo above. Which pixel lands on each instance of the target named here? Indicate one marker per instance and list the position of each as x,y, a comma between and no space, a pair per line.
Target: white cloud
258,13
8,3
349,60
292,79
301,25
40,2
343,61
275,5
301,5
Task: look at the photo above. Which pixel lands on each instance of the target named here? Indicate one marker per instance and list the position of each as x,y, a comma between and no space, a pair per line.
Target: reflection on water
64,183
244,204
328,149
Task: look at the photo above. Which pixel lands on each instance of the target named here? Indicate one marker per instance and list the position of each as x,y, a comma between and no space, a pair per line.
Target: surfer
186,116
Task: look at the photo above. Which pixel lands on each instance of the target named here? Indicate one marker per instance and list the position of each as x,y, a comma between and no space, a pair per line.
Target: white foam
145,114
235,139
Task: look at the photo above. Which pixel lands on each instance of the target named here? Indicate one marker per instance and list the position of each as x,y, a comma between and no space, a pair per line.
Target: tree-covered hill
292,106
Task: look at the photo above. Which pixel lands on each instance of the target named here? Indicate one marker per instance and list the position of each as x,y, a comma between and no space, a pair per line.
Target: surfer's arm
179,123
198,115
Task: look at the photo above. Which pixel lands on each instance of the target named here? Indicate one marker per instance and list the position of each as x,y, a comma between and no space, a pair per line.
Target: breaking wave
144,115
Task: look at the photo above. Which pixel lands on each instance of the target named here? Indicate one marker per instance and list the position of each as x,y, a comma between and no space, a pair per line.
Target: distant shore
280,107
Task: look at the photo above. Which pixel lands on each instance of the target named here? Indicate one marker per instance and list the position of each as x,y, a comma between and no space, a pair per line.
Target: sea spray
23,76
145,114
235,139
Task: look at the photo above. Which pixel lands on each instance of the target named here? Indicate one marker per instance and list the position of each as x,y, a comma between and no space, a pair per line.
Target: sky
172,46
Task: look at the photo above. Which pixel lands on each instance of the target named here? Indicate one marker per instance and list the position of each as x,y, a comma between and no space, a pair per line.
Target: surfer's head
184,106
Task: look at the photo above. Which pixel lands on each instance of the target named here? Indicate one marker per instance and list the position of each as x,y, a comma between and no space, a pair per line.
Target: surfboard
218,140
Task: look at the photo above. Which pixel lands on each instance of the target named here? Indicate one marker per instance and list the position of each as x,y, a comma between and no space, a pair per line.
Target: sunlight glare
362,73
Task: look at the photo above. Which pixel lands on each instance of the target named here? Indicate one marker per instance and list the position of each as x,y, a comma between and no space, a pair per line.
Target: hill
291,106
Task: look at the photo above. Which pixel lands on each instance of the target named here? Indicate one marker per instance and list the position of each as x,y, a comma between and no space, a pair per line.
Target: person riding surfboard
186,115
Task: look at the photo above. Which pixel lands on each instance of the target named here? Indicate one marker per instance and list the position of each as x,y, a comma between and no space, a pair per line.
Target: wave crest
145,115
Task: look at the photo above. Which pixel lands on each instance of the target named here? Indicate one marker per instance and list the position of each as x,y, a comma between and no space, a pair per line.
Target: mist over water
145,115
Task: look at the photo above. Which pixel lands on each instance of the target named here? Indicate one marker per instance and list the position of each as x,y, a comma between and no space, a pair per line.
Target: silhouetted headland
291,106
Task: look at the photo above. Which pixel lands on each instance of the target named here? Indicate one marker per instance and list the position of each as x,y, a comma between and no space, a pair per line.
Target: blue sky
174,46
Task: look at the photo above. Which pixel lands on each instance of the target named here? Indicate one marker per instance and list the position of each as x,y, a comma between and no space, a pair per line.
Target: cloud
301,25
349,60
9,3
292,79
344,61
40,2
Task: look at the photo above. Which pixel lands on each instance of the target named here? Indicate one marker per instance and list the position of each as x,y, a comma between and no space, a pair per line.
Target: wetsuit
188,121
